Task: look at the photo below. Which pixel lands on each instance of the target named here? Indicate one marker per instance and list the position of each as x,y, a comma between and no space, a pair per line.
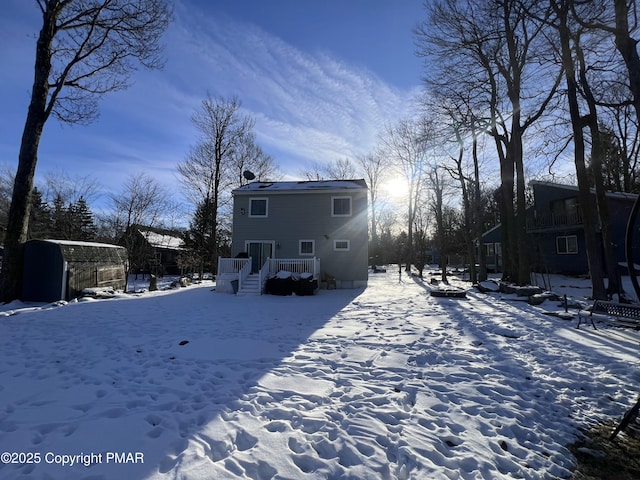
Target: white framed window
259,207
340,206
567,245
307,247
342,245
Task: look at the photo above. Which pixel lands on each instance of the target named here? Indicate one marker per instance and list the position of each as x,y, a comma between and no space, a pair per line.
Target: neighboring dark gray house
62,269
305,220
555,230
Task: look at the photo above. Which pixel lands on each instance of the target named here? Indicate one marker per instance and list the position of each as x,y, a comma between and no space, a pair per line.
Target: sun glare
395,187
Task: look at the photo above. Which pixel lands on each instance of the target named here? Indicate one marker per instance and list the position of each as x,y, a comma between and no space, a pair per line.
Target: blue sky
320,78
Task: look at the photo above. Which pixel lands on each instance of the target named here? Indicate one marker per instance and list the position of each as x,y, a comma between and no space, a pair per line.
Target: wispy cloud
309,106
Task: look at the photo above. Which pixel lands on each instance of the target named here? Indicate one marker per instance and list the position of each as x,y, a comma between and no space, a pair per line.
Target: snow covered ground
382,383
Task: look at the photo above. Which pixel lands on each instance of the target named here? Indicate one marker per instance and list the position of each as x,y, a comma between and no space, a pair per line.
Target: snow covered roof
162,240
301,186
77,243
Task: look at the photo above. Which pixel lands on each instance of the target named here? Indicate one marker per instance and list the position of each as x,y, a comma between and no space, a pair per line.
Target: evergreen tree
60,228
40,221
81,220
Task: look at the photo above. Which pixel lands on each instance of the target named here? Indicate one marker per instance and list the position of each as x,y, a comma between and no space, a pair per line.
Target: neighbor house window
341,206
307,247
567,245
341,245
258,207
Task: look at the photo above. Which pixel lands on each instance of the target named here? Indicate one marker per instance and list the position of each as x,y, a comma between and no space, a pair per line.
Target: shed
62,269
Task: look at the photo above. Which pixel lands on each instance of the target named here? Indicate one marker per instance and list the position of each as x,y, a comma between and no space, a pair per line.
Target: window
258,207
340,206
307,247
566,212
567,245
341,245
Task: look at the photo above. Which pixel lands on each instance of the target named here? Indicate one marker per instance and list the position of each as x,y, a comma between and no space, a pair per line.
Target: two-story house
555,229
305,220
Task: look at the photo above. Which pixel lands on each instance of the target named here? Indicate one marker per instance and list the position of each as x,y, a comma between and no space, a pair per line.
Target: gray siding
303,215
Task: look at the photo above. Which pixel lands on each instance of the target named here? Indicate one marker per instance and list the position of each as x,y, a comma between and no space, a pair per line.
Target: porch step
250,286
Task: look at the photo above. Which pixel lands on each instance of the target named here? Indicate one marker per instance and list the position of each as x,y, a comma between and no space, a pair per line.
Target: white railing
263,275
295,265
244,273
232,265
230,269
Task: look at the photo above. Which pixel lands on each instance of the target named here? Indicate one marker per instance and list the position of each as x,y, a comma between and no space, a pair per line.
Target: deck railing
232,265
295,265
244,273
239,268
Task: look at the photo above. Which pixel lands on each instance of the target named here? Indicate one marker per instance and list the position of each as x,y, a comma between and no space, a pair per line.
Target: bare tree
249,157
495,49
373,165
141,202
206,172
70,188
84,50
406,146
341,169
7,178
440,190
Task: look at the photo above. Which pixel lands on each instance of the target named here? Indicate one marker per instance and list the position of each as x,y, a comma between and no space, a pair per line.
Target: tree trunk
507,218
18,219
477,208
522,270
610,257
593,257
627,47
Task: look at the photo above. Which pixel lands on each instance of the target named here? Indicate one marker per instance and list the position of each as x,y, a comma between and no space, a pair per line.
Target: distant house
555,230
305,220
153,250
62,269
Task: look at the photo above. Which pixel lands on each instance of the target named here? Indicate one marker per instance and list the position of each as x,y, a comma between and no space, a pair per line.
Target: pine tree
81,219
40,222
60,228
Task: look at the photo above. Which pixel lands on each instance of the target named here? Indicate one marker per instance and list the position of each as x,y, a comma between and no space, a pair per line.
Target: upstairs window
340,206
341,245
258,207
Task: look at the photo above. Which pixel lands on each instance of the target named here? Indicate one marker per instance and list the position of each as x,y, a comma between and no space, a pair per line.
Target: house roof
159,239
77,243
574,188
77,251
303,186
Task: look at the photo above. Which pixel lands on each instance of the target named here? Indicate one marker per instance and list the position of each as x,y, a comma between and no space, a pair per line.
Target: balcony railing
549,220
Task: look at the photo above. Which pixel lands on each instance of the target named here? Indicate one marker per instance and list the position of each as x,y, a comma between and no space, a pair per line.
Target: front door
259,252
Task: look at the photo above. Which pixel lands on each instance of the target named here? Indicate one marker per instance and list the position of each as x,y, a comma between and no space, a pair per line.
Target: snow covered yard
382,383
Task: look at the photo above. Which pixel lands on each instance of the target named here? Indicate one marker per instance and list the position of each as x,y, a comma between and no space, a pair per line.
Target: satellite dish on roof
248,175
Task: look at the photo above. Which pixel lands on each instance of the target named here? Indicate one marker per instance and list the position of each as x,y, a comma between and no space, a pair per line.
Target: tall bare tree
406,145
569,42
373,166
85,49
211,166
495,49
70,188
341,169
249,157
618,19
